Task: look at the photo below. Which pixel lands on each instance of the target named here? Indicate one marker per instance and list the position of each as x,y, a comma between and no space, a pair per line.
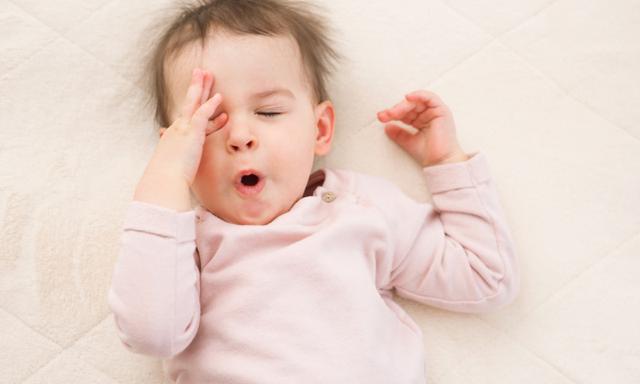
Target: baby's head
270,60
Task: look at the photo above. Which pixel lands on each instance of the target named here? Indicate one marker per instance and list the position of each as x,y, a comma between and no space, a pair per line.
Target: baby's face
257,165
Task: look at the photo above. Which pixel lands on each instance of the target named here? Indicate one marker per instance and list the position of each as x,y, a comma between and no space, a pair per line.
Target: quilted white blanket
548,89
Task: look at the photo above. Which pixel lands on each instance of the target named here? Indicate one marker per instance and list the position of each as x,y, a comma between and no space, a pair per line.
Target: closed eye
269,114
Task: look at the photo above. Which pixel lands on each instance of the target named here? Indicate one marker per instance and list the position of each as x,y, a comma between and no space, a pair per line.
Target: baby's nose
248,144
241,139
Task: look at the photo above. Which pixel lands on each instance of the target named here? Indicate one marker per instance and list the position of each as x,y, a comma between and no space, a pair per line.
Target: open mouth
249,182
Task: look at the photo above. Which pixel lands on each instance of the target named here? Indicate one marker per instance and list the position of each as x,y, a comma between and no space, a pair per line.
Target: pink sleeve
456,254
154,293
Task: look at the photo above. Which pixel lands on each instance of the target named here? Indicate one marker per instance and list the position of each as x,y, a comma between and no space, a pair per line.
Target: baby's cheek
211,159
213,145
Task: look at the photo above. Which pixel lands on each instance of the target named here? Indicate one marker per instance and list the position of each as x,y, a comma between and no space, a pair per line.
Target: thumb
217,123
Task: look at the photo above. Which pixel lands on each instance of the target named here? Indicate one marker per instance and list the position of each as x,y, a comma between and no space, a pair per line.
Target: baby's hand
180,147
435,141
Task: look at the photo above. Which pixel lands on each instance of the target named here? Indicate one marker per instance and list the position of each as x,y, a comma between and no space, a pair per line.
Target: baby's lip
249,190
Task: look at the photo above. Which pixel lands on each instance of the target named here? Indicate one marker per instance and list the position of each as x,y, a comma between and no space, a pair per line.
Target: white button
328,197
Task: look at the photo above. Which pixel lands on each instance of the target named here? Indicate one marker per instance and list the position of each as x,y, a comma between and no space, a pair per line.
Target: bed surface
548,90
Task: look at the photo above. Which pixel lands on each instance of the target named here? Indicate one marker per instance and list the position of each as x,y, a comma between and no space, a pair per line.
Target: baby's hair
194,21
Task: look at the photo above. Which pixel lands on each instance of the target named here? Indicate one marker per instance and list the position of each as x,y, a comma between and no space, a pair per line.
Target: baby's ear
325,121
162,131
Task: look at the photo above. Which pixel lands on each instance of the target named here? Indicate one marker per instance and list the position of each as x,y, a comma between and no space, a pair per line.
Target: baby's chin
250,220
263,217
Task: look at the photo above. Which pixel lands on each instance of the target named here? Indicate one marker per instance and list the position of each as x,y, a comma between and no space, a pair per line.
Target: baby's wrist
457,157
165,189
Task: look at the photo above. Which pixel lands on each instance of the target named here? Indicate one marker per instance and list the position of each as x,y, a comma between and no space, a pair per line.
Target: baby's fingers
208,83
397,112
429,99
201,117
217,123
192,99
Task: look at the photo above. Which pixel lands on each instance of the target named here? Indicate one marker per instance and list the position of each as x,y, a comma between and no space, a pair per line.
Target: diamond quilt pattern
549,90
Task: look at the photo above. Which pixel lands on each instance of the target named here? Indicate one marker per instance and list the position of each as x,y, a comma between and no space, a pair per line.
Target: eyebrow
271,92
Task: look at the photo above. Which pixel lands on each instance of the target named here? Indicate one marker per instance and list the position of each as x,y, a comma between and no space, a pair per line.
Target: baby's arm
456,254
155,289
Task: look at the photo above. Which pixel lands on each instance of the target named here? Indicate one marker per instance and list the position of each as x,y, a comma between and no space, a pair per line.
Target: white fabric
548,89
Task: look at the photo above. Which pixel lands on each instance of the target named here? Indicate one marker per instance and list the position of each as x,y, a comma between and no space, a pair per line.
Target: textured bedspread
549,90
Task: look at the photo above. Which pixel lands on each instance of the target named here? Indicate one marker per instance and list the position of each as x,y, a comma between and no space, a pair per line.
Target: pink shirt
307,298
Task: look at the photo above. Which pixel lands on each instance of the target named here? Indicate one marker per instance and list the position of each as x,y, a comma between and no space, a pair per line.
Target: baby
281,274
